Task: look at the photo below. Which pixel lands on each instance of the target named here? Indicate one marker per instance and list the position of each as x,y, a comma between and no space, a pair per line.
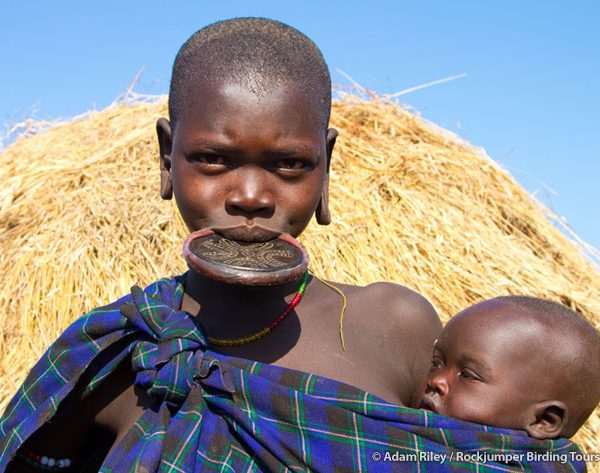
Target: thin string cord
344,303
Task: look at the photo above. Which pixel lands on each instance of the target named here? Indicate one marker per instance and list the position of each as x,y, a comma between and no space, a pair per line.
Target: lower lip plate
269,263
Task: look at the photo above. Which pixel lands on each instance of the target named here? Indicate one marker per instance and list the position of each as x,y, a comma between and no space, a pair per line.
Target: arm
85,429
402,327
64,436
425,326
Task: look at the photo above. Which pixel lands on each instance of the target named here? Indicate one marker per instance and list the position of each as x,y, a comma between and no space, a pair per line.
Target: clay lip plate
278,261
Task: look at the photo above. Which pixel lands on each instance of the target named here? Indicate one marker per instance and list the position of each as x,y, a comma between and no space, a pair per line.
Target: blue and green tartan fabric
219,413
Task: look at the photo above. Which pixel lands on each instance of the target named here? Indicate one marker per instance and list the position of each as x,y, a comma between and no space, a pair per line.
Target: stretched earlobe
332,135
322,213
165,143
166,184
549,420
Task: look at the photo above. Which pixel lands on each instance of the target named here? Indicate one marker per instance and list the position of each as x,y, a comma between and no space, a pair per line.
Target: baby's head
516,362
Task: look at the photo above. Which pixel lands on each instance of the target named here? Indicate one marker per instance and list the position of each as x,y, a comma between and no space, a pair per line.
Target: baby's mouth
428,405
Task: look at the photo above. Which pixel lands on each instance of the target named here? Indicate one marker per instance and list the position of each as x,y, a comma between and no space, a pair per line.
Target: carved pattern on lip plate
270,255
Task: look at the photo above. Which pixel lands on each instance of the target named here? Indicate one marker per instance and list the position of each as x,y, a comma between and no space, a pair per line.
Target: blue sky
530,96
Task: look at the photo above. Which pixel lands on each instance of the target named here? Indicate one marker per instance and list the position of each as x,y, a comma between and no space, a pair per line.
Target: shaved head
516,362
571,345
256,53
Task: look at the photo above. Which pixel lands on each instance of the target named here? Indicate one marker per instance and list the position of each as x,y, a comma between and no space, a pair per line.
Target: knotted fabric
164,363
218,413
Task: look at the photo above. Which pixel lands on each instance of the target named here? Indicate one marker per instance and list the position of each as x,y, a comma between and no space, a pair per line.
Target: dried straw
81,221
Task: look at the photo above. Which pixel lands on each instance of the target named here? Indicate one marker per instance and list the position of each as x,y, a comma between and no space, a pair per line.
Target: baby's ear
549,420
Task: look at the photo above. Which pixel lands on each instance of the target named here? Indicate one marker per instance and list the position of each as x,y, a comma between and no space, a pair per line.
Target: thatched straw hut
81,221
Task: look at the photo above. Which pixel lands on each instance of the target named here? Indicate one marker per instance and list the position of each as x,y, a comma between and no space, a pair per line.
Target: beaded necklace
231,342
42,462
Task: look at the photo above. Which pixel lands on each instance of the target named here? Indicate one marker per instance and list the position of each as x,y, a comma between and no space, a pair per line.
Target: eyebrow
206,145
291,151
295,151
464,358
472,360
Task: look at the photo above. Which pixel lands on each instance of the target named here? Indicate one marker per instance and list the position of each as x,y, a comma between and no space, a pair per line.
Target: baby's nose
251,195
437,383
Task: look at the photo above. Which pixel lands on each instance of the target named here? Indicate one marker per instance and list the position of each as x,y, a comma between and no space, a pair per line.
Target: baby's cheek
471,408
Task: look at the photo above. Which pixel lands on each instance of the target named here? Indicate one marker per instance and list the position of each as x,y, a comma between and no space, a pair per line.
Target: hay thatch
81,221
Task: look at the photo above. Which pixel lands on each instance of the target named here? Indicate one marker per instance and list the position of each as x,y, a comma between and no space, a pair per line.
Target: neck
230,309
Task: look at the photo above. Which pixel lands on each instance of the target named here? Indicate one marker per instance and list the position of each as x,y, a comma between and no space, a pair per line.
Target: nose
437,383
251,194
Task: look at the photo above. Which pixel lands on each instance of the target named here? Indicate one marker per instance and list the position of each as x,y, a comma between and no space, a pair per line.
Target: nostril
438,385
250,205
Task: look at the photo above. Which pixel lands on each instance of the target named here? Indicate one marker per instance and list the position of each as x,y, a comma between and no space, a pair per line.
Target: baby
516,362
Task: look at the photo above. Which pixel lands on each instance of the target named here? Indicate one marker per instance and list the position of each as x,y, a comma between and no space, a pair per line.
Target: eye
208,159
292,167
289,164
468,375
436,363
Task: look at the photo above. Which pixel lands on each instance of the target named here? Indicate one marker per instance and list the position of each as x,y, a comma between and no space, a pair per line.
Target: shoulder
395,305
390,330
384,305
53,380
392,317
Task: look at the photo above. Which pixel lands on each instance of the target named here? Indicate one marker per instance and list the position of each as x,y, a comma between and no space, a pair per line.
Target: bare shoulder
394,305
391,330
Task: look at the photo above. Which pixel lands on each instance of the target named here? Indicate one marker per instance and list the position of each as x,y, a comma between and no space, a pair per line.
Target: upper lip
248,233
428,404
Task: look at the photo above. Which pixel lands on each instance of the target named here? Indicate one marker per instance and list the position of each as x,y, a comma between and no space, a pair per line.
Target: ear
549,420
332,135
165,143
322,212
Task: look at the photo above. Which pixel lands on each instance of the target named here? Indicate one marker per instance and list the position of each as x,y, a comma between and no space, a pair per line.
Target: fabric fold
174,343
219,413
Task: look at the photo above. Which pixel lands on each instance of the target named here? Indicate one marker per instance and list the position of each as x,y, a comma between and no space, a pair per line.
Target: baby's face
485,368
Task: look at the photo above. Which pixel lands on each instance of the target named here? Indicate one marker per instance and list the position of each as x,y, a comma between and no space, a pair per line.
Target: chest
311,342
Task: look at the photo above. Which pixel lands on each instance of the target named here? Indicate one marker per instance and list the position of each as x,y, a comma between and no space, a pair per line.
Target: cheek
196,197
488,405
300,200
473,404
471,409
196,191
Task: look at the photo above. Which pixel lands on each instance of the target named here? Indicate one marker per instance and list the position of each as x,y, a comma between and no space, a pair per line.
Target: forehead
231,107
497,332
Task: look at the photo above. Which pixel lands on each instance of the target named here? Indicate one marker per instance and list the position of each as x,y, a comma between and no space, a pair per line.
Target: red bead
295,301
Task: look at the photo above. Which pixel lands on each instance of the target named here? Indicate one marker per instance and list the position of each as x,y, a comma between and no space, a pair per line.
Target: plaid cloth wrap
219,413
